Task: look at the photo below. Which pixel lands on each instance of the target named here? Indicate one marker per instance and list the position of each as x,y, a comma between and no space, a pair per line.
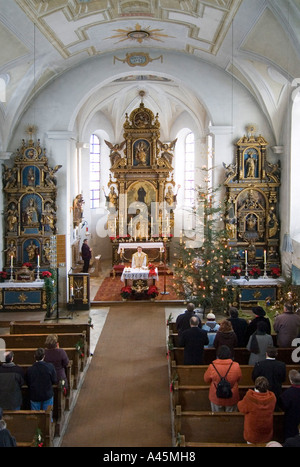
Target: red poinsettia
255,272
152,291
126,291
46,274
3,275
235,271
152,271
275,272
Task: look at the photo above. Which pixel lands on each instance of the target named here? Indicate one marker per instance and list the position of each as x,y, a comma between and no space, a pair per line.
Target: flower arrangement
236,271
126,292
255,272
275,272
46,274
3,276
152,271
27,265
152,291
38,441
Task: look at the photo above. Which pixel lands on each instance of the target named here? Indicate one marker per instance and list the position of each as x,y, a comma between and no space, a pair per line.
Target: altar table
22,296
255,290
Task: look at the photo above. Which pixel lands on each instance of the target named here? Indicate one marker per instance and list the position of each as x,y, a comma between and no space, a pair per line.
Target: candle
265,257
38,261
246,257
11,261
72,291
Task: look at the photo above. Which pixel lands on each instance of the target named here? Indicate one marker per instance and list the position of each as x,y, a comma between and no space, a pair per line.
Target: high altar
252,217
141,198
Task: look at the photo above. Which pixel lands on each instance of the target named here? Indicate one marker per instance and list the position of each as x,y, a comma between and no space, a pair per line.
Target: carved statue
141,153
49,216
251,165
78,209
9,177
50,177
12,217
31,214
115,151
31,250
166,149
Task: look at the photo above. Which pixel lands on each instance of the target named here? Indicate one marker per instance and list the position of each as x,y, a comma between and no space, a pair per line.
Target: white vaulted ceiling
255,41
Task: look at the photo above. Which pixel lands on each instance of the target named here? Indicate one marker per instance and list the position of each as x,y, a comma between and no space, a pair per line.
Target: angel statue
166,148
9,177
115,150
50,177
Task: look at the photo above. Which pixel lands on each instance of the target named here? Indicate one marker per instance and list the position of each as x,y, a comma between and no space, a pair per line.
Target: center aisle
124,400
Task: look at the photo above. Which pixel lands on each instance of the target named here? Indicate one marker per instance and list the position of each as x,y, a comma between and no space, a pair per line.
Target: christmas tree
204,261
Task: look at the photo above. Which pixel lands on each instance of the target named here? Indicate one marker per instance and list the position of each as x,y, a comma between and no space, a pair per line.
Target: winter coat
6,439
258,408
264,341
287,327
226,338
233,376
193,340
211,327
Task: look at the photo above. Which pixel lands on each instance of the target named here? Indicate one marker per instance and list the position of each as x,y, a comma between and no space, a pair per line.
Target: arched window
189,170
94,171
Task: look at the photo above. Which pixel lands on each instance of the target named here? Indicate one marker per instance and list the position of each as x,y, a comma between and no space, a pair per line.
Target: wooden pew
189,375
66,340
25,356
196,398
241,355
53,328
204,427
38,340
59,406
23,425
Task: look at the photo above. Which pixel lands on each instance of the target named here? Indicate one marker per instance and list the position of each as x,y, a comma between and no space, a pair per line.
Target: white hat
210,316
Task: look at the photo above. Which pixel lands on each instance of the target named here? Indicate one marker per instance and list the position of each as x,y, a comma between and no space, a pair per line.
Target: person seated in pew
41,377
289,402
183,320
10,367
273,370
239,325
258,407
193,340
58,357
222,365
226,336
258,343
211,327
6,439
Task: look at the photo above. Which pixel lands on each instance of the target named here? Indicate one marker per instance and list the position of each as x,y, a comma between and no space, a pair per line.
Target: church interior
149,159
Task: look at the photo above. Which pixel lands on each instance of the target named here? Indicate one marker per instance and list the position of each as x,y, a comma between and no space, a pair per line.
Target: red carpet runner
110,289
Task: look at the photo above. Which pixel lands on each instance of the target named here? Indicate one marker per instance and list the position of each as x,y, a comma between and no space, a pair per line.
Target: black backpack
223,388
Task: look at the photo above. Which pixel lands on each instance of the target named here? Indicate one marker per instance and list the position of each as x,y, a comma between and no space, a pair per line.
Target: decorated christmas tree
204,260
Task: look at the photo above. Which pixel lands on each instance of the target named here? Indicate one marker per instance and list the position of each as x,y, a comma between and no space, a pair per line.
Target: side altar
142,193
252,220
